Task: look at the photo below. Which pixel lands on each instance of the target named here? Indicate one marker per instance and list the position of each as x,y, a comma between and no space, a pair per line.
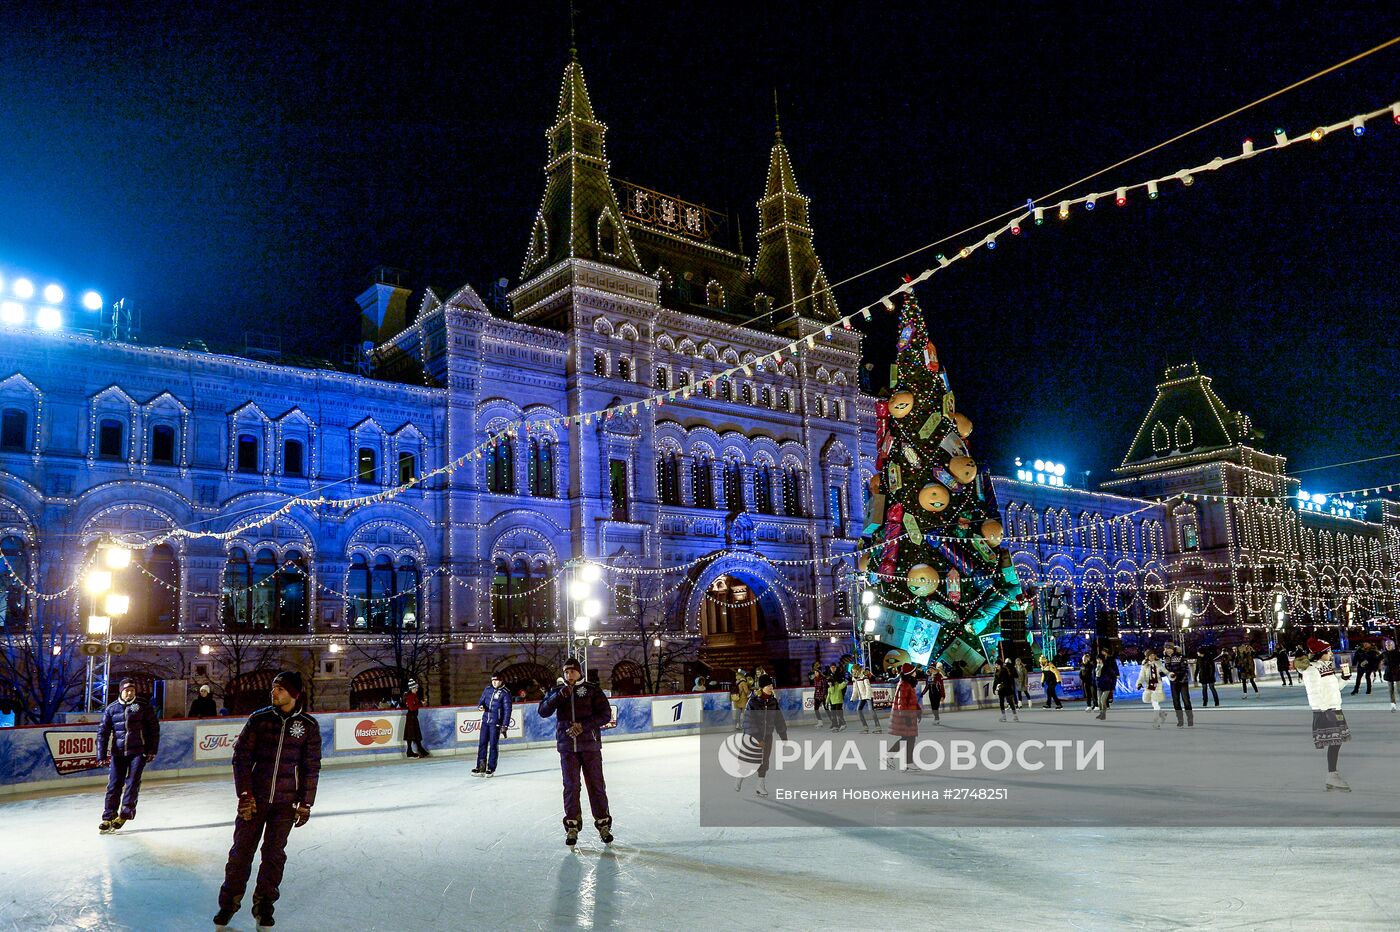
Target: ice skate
224,917
105,827
1015,717
571,828
478,770
117,823
1103,715
1003,716
866,731
762,789
604,827
1392,707
262,914
1190,721
1335,782
490,773
739,785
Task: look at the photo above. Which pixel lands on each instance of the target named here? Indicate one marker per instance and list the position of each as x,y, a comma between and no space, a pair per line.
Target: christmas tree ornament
963,469
922,579
934,497
964,425
992,532
901,404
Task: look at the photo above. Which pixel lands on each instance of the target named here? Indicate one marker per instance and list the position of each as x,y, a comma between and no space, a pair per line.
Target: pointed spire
777,119
787,268
573,96
780,177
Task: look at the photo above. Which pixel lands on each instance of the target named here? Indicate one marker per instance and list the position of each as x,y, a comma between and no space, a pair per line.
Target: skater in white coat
1323,682
1152,679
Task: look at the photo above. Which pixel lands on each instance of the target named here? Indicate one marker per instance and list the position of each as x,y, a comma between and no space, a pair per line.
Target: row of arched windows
540,468
384,595
776,491
262,594
522,595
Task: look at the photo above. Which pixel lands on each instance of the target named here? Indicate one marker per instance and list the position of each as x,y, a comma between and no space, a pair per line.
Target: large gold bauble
963,469
964,425
901,404
934,497
922,580
992,532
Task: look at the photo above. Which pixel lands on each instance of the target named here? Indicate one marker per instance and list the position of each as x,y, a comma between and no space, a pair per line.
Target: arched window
661,379
702,487
14,572
367,464
607,236
237,596
1161,440
624,368
163,445
357,589
381,592
511,589
14,429
500,468
408,601
734,486
706,387
293,458
683,378
838,409
408,467
821,406
111,437
539,600
766,397
668,478
792,492
726,390
785,400
600,363
746,393
247,453
293,607
763,489
714,295
542,467
156,610
265,590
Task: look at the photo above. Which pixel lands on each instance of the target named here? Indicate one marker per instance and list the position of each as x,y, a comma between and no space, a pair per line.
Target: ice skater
1152,677
1051,678
1391,660
1244,662
1023,682
203,705
936,689
580,711
1107,681
276,765
1007,684
836,701
819,692
1365,663
1179,675
412,730
763,717
127,740
1285,677
1205,674
1318,670
860,689
495,709
739,697
1088,673
904,716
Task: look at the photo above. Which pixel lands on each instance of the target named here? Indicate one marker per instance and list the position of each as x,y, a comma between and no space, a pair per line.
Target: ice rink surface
425,845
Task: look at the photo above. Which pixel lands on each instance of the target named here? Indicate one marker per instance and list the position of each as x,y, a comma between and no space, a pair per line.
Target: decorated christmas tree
939,570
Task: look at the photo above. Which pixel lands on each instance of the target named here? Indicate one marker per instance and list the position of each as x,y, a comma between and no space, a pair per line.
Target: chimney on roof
384,305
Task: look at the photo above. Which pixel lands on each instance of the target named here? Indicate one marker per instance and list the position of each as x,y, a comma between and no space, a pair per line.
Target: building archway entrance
741,627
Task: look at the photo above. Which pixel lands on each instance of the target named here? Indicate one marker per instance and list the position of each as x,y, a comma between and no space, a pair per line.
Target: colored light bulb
1122,198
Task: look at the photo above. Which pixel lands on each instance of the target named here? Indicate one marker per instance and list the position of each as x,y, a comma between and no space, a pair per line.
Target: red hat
1318,646
907,668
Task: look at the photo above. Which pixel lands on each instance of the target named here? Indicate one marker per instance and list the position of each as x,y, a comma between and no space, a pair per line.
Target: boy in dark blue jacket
580,710
276,765
495,709
131,728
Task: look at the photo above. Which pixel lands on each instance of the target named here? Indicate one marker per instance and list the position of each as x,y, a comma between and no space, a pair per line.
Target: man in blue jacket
495,709
581,710
276,764
132,730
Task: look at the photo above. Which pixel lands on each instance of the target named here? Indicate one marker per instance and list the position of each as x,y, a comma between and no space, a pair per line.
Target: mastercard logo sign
378,731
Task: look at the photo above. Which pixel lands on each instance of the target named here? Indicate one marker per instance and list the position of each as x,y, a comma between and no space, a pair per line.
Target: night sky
243,167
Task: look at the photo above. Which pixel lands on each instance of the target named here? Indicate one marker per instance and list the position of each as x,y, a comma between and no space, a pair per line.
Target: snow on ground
425,845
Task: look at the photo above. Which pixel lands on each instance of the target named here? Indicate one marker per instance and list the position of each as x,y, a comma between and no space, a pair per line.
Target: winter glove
149,757
247,807
300,815
575,730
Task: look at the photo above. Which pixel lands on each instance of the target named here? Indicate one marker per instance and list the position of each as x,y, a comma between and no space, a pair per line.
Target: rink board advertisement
214,741
469,725
72,751
1226,766
368,731
677,710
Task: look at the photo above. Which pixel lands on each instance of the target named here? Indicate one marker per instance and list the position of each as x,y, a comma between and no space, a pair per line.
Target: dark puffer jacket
583,703
132,728
277,757
765,716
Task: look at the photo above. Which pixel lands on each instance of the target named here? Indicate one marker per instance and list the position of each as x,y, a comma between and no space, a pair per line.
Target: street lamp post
106,607
584,608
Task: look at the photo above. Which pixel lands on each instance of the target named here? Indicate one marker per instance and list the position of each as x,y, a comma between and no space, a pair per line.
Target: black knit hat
290,680
572,664
765,680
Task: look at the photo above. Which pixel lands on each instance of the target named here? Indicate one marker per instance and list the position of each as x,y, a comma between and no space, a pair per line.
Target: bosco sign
72,751
368,732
